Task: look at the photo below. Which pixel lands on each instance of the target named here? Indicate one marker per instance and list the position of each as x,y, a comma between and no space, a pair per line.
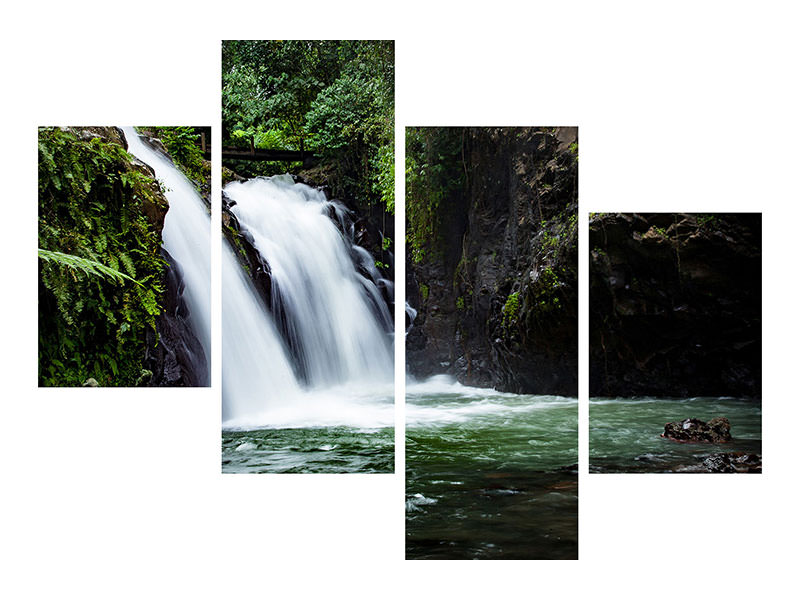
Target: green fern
90,267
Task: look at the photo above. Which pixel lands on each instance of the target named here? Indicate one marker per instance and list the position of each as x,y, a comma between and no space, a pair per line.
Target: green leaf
90,267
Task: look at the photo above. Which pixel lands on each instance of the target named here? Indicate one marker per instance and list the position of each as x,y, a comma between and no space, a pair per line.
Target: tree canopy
331,98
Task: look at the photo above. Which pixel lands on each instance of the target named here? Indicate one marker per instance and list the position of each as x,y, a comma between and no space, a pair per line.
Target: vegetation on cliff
435,175
492,255
100,270
181,143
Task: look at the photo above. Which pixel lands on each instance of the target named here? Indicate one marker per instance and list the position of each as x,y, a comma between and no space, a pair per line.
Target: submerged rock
716,431
733,462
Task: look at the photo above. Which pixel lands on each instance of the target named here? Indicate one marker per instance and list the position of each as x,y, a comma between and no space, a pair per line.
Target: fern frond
90,267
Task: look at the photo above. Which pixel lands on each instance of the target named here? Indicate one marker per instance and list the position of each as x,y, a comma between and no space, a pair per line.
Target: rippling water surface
339,430
624,433
309,450
489,475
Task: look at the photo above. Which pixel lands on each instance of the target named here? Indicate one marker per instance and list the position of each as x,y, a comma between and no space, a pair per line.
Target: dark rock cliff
675,304
497,301
175,356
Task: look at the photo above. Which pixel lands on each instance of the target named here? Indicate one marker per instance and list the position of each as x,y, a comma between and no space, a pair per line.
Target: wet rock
108,134
157,145
228,175
509,233
675,304
733,462
175,357
716,431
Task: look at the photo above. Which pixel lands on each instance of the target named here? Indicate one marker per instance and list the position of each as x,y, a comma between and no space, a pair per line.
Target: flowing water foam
186,235
490,474
327,359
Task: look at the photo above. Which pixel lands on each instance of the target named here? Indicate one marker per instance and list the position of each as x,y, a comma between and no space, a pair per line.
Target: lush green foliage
101,273
332,98
182,145
434,172
84,265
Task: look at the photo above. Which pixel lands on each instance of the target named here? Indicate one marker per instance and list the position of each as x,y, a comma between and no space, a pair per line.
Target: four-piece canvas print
307,272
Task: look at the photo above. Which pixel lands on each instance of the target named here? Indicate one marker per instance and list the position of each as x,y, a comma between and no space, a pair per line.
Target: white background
691,106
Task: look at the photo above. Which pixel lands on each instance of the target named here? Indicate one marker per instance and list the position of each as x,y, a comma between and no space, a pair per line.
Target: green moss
460,303
92,208
236,239
546,290
434,177
424,291
227,176
511,309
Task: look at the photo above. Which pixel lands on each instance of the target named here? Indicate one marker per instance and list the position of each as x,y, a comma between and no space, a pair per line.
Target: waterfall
186,235
324,346
411,315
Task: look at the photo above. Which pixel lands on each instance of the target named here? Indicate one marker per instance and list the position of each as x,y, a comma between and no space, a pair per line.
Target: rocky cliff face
496,294
174,354
675,304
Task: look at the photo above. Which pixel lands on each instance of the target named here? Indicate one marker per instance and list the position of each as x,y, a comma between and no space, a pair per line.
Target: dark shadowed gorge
675,304
492,264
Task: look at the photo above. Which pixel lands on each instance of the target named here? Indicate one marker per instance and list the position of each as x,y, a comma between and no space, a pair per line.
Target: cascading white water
333,317
186,235
254,357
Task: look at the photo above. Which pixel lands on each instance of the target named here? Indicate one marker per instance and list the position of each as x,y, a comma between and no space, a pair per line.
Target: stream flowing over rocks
497,307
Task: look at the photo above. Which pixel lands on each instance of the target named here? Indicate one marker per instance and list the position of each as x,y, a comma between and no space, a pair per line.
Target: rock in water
733,462
716,431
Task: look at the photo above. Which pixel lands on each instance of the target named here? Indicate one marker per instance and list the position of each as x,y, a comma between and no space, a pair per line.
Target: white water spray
334,364
186,235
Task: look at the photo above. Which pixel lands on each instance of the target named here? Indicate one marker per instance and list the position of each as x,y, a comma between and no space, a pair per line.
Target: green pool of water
624,433
490,475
